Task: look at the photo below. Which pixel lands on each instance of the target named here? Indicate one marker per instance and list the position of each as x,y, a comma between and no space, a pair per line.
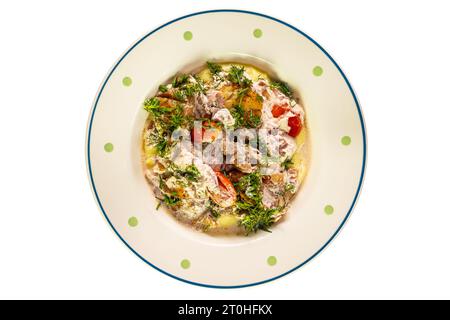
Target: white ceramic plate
326,198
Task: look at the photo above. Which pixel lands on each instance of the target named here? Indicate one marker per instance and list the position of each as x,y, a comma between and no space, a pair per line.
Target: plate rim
88,145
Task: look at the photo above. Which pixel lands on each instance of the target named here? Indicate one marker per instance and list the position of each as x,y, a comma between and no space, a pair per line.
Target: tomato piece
226,185
227,195
295,123
279,110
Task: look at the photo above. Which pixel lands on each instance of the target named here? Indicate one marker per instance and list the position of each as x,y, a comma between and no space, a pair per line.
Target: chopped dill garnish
161,182
174,120
250,186
163,88
150,104
288,163
161,143
259,218
214,210
238,114
187,89
179,95
283,87
191,88
254,120
236,76
171,200
191,173
255,215
165,121
241,120
153,106
289,187
241,94
214,68
180,80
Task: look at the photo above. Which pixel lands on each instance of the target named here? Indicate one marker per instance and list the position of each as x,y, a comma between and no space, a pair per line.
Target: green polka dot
133,222
318,71
127,81
188,36
257,33
329,210
271,261
185,264
109,147
346,141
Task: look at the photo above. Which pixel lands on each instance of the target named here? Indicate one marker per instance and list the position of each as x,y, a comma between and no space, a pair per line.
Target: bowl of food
225,148
226,163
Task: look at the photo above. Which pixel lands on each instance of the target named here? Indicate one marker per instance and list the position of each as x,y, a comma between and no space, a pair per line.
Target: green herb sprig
214,68
287,164
283,87
153,106
236,76
191,173
163,88
253,120
242,121
255,215
258,218
171,200
180,80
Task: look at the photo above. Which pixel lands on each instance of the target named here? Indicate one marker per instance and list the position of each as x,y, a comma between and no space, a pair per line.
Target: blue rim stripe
362,128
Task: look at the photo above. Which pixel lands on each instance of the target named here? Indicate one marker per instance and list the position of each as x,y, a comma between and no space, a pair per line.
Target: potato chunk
252,102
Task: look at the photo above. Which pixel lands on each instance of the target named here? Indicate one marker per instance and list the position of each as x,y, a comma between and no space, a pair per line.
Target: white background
54,243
